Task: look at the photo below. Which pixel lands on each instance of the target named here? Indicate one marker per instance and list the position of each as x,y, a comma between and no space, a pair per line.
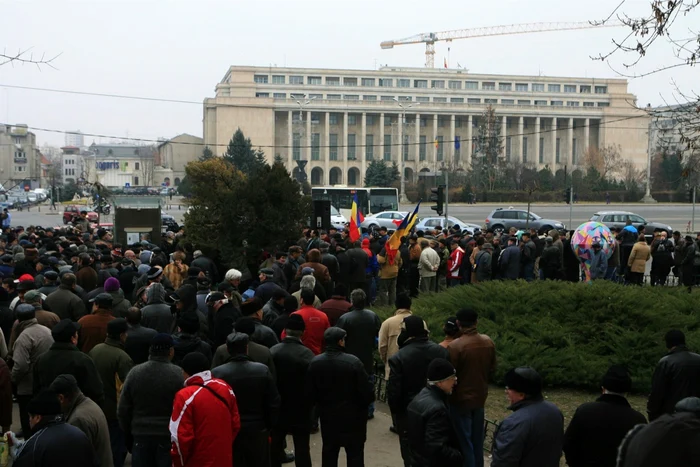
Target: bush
571,333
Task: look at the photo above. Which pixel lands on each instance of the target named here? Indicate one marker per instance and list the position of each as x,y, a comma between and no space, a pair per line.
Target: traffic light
567,196
437,195
689,195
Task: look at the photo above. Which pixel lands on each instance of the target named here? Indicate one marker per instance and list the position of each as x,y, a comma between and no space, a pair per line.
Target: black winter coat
138,342
409,371
362,327
550,263
338,384
256,393
677,376
597,429
221,323
292,359
432,439
358,265
264,335
55,442
187,343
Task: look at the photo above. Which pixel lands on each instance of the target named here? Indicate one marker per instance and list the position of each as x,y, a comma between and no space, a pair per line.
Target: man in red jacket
454,264
205,419
315,321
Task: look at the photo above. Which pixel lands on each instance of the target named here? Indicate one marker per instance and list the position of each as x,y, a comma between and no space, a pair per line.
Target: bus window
383,199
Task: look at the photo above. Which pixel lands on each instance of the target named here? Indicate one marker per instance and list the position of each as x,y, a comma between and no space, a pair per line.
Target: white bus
370,200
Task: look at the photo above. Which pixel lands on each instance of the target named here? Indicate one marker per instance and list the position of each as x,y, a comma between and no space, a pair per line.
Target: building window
278,79
522,87
296,146
585,89
368,82
457,100
471,85
369,146
422,99
296,117
333,146
454,84
422,148
315,146
136,181
524,102
601,89
351,97
137,166
315,96
20,155
369,98
569,88
572,103
505,87
473,100
386,98
405,98
387,120
387,147
420,83
541,155
557,146
280,95
437,84
557,103
603,104
524,148
332,80
537,87
296,80
262,94
403,83
260,79
488,86
589,104
540,102
442,121
20,168
350,81
297,95
458,122
352,119
333,97
315,80
423,122
508,148
370,120
507,101
554,87
439,99
351,147
490,101
441,148
333,119
386,82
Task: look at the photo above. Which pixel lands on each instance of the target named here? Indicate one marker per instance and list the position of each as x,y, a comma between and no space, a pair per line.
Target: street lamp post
302,103
647,196
402,198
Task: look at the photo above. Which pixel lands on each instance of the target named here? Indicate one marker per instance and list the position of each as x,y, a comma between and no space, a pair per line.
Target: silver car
429,223
388,219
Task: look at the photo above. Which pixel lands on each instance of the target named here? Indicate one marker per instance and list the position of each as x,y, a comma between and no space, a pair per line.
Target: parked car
425,223
502,219
72,211
168,222
388,219
619,219
337,219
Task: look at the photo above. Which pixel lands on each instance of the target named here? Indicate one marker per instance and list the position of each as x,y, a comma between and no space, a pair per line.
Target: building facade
339,120
75,138
20,159
119,165
71,164
173,155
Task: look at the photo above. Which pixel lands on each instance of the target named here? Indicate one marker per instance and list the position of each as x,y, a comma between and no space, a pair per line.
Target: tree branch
26,57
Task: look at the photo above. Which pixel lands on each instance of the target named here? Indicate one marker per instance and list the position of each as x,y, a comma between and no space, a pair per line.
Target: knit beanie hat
194,362
524,379
439,370
112,284
161,342
414,326
44,403
617,379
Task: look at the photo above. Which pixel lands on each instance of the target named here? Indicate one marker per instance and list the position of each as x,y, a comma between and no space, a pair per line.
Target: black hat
195,362
524,379
44,403
25,312
295,323
250,307
116,327
188,322
414,326
65,384
333,334
50,275
617,379
467,317
451,323
162,342
64,330
245,326
237,338
6,258
154,272
26,285
269,272
103,299
214,297
439,370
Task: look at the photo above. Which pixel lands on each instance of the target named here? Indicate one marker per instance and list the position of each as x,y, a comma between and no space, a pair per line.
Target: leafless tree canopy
607,161
26,57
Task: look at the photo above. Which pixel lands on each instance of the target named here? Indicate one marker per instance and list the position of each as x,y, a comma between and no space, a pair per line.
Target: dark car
503,219
619,219
168,222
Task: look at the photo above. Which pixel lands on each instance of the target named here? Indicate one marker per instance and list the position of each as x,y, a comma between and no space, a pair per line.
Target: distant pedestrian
428,265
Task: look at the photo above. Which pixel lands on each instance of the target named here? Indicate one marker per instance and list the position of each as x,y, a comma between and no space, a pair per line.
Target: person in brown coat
637,262
94,326
43,317
337,305
86,275
313,260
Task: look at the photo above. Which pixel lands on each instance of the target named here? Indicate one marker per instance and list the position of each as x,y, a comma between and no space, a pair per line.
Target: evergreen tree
206,154
380,174
241,154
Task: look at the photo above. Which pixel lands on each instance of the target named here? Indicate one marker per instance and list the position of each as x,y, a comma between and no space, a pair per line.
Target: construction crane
430,38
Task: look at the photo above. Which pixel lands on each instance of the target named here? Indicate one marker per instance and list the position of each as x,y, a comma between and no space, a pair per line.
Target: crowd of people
149,350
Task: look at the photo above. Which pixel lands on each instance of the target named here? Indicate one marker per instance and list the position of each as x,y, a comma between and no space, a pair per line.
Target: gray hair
308,282
358,298
233,275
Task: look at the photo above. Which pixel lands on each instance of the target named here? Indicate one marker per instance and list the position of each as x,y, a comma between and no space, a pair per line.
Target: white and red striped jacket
454,263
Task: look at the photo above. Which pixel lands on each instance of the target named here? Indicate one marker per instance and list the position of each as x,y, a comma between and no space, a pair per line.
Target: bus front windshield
383,200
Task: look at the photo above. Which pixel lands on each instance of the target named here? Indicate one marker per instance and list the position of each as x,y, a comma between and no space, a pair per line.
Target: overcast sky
179,49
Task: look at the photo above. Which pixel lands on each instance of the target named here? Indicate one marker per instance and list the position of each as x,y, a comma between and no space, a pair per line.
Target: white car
337,219
388,219
426,223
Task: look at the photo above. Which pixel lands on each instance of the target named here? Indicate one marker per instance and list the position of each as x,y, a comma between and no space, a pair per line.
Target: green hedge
571,333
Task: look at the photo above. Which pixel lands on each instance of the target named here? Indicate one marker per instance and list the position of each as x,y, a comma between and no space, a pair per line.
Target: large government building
339,120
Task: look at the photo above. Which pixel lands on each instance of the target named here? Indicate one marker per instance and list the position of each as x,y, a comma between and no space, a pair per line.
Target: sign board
127,185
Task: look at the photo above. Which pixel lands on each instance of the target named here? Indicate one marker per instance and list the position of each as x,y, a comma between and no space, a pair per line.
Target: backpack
662,246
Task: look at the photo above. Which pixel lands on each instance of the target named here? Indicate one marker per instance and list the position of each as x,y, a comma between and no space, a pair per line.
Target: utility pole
447,196
402,197
692,225
647,196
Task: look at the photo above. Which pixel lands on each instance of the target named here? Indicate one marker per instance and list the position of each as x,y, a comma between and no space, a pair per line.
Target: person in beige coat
390,330
637,262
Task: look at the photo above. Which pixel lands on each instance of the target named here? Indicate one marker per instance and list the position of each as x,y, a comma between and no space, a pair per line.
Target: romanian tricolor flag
356,219
437,143
392,245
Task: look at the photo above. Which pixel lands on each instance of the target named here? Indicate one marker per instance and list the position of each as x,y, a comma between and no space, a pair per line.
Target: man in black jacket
598,428
338,384
258,402
186,339
292,358
433,441
222,314
263,335
138,338
677,376
408,370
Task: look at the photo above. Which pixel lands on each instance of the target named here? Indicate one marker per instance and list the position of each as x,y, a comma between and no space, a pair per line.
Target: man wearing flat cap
533,435
267,287
94,326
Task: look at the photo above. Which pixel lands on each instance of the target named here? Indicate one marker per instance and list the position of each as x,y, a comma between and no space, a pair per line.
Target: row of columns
448,150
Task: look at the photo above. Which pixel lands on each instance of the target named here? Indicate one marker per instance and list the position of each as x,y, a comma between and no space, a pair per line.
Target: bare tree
26,57
488,161
147,164
630,175
606,161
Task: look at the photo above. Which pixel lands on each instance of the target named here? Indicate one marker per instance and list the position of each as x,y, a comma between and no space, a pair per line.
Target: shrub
571,333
